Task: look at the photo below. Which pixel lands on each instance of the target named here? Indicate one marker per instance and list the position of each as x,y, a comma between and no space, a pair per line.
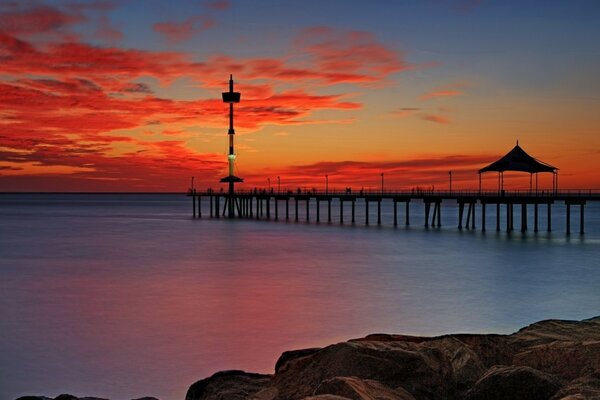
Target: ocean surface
124,296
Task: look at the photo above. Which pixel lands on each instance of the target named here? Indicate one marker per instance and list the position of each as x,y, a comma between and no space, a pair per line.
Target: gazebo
518,160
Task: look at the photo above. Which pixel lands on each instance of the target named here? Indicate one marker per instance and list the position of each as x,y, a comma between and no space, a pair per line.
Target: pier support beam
210,198
523,217
535,217
581,218
568,218
318,211
307,209
287,209
498,217
407,213
296,204
366,212
482,217
193,204
427,207
329,210
268,201
549,222
341,211
395,213
461,210
276,209
379,212
353,210
217,207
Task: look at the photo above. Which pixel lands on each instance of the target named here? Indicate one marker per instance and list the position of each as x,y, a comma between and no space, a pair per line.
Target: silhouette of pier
270,205
265,204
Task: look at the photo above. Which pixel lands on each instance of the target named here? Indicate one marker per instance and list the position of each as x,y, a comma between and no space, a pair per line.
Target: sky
126,95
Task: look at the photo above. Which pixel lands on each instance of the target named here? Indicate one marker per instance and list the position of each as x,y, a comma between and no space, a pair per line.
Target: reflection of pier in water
263,204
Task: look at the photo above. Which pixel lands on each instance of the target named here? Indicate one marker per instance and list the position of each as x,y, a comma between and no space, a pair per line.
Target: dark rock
228,385
34,398
146,398
587,387
287,356
514,382
567,349
359,389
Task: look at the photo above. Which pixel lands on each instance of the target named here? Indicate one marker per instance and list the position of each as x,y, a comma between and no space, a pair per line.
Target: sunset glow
125,96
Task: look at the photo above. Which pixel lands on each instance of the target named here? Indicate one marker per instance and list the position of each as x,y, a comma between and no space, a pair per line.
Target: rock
587,387
567,349
358,389
287,356
34,398
228,385
514,382
59,397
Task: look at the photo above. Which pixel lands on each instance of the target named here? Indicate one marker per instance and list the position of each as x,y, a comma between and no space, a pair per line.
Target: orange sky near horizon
84,107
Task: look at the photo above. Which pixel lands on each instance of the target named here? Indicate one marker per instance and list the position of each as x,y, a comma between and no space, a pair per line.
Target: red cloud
353,56
439,119
398,173
405,112
447,91
69,121
181,31
18,19
219,4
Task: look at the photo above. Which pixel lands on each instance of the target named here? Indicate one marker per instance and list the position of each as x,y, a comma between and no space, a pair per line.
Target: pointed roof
518,160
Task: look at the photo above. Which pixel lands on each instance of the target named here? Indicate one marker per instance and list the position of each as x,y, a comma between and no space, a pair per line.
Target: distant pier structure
264,204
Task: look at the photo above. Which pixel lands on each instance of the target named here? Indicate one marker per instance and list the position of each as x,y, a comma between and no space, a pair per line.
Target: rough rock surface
517,382
60,397
548,360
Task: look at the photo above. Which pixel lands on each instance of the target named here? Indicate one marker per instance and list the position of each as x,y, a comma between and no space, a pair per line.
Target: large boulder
228,385
558,359
587,387
567,349
359,389
514,382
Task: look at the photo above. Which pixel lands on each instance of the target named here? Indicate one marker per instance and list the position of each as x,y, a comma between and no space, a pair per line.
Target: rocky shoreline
548,360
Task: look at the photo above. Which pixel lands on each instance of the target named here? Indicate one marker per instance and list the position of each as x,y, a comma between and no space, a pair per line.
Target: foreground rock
549,360
71,397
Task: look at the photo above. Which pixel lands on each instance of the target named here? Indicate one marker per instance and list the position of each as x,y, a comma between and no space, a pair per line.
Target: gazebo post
530,181
498,182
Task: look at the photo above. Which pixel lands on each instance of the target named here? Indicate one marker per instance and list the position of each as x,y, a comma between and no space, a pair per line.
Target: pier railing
416,193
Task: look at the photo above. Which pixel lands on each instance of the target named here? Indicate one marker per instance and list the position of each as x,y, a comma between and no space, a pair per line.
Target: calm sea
123,296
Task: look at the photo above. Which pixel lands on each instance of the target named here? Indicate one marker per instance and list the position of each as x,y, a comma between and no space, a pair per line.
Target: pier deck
263,203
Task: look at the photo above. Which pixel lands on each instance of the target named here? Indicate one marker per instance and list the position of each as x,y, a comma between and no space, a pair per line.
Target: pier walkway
274,204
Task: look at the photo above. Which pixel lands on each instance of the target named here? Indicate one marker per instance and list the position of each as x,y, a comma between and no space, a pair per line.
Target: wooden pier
265,204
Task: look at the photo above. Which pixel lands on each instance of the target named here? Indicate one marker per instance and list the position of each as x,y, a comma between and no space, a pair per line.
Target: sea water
124,296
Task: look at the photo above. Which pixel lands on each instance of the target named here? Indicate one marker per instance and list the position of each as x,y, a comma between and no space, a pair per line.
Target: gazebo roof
518,160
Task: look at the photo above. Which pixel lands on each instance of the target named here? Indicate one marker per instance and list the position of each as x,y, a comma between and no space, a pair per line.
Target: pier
270,205
265,203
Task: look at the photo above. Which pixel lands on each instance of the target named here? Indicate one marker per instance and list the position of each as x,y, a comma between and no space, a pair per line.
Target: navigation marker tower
231,97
